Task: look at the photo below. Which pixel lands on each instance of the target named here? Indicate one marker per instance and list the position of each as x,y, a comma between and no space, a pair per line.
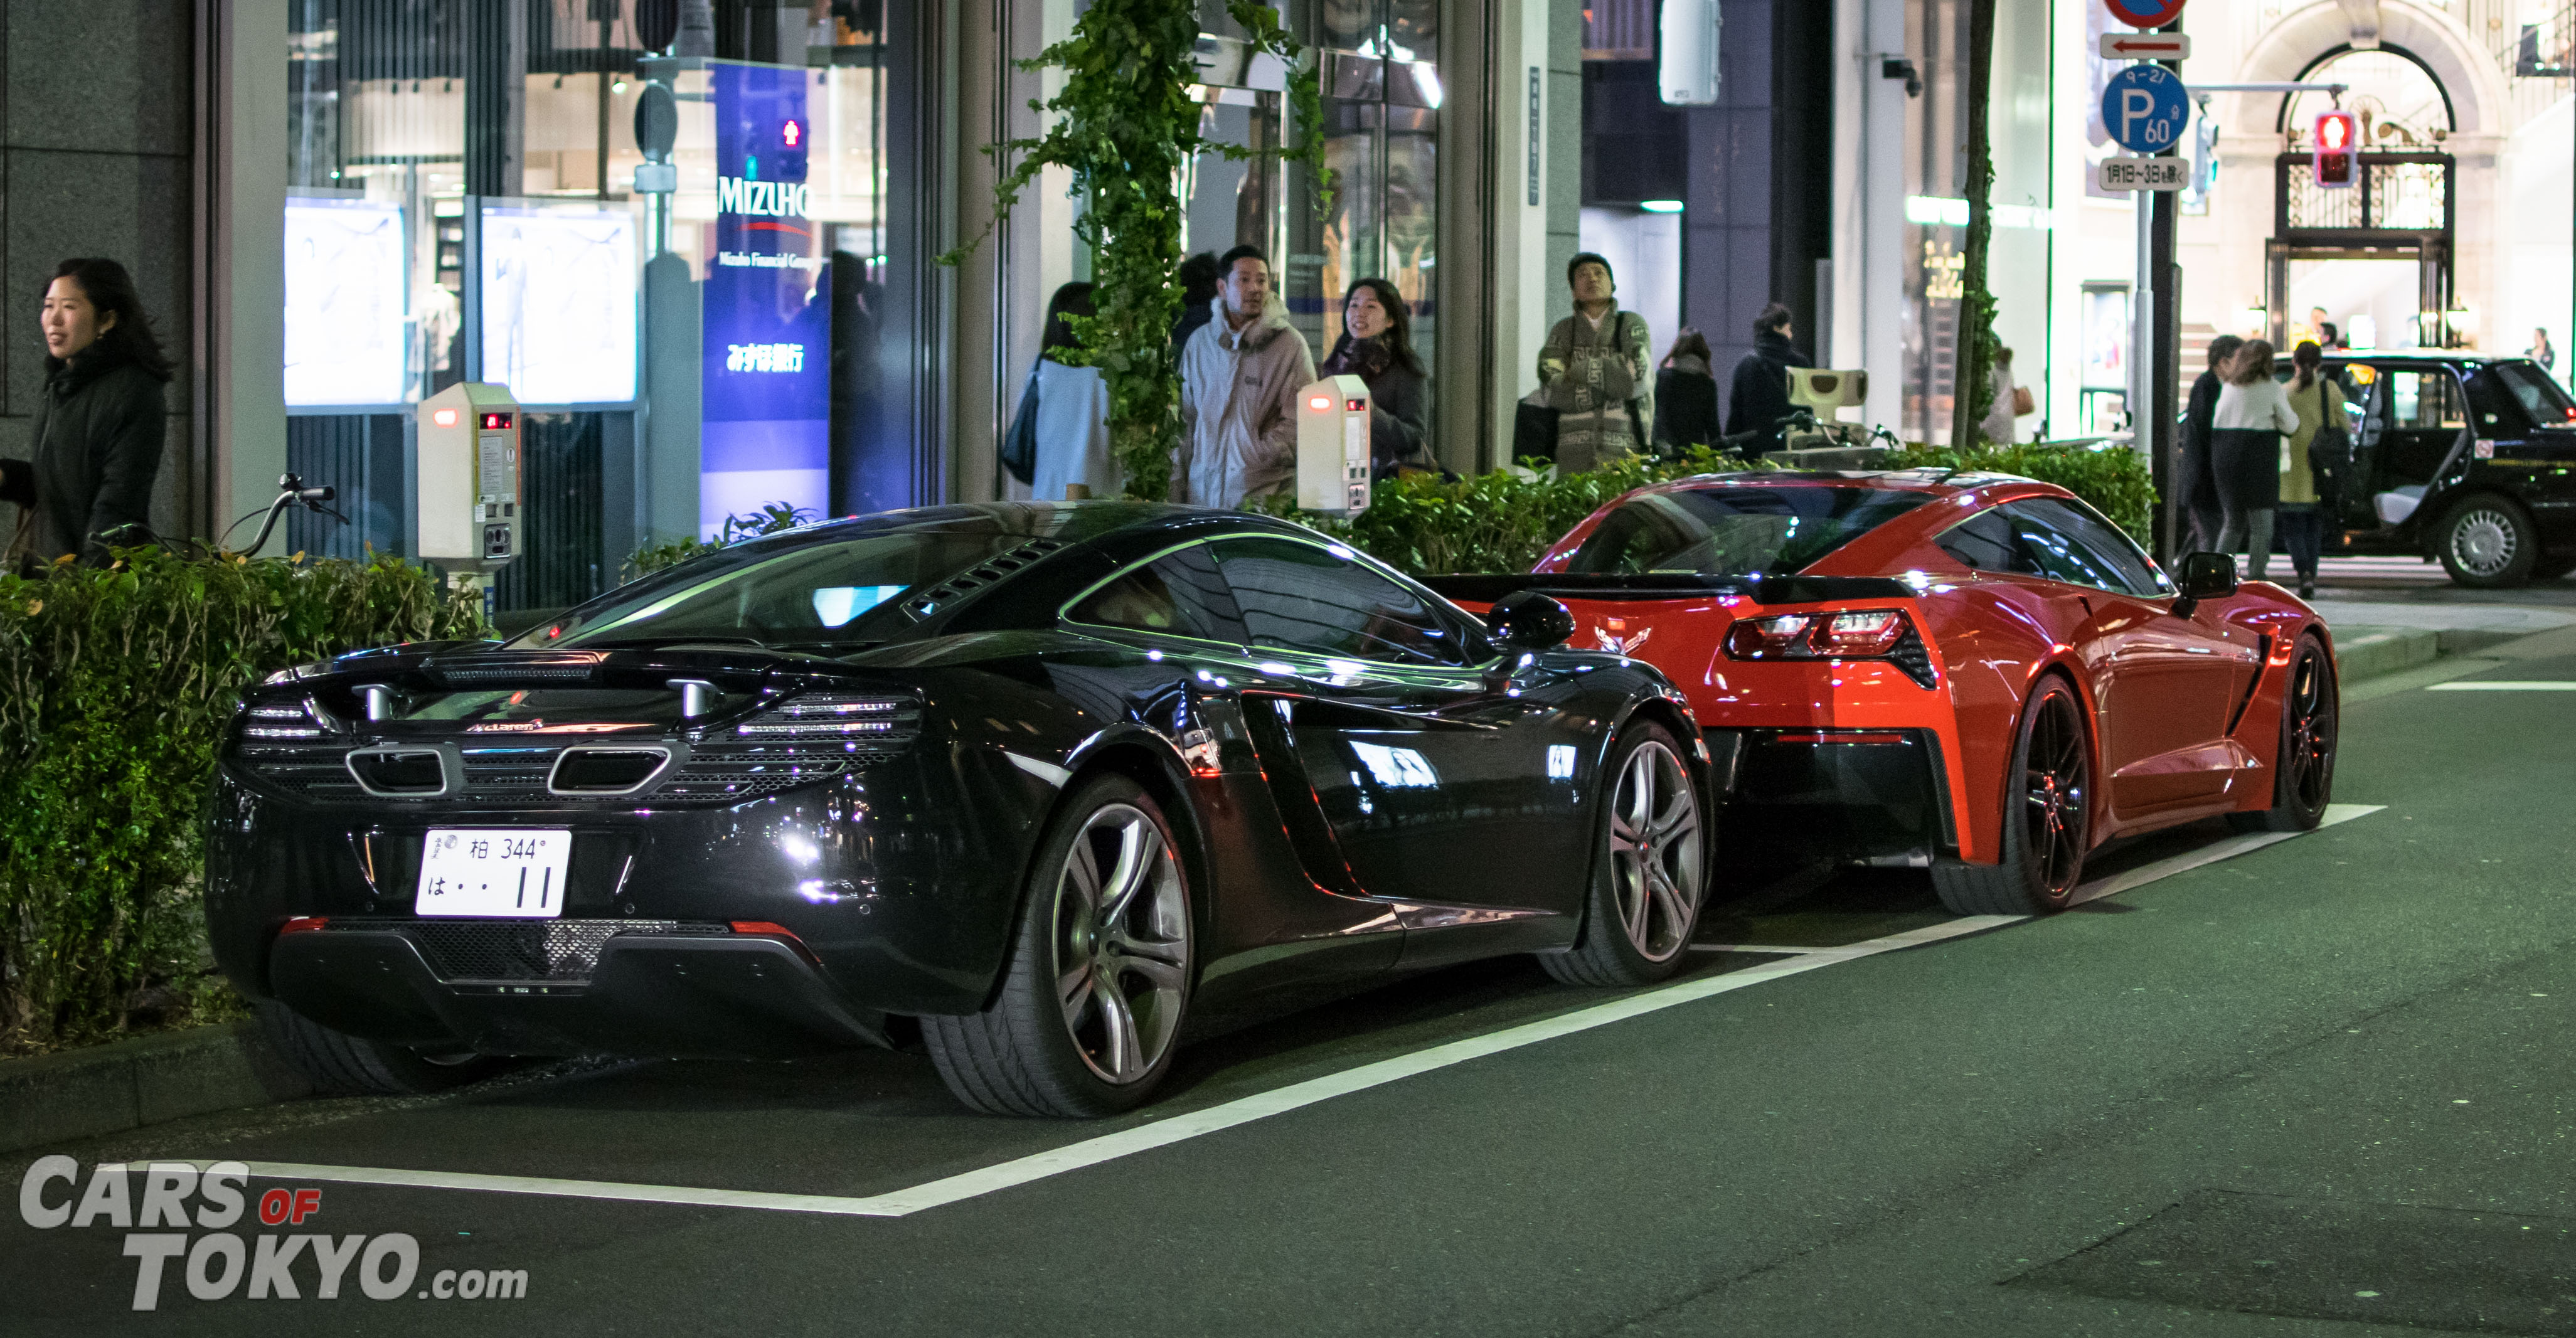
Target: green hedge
115,687
1502,522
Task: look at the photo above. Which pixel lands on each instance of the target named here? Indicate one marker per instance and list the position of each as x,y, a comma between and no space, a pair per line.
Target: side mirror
2205,576
1528,621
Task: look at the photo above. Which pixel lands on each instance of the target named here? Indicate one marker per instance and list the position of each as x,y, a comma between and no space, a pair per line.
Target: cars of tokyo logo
175,1217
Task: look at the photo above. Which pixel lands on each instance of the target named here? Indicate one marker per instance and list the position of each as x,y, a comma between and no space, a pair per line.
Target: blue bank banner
768,332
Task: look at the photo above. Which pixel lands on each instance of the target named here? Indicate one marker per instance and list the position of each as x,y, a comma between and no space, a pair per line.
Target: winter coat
1396,419
2316,406
1594,376
2196,510
1686,405
1998,424
98,434
1239,408
2246,430
1758,397
1072,433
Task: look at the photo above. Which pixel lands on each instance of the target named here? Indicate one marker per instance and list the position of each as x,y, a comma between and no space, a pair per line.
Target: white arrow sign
2144,173
2146,46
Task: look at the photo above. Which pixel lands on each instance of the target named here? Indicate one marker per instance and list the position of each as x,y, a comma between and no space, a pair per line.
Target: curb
2370,652
123,1085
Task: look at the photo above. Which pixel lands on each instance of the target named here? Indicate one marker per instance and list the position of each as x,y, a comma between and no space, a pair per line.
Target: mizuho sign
772,199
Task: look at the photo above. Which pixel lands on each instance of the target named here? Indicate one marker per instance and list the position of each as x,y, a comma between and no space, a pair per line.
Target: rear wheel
2047,817
2487,543
1650,873
2303,777
1100,971
339,1064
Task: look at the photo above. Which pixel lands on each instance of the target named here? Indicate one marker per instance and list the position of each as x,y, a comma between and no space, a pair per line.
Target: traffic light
2333,146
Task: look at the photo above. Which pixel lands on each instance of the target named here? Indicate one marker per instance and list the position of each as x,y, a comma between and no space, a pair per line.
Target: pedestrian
2195,502
1998,424
1071,429
2318,401
1198,276
1376,346
99,422
2331,336
1240,374
1686,396
2247,432
1592,371
2540,351
1757,399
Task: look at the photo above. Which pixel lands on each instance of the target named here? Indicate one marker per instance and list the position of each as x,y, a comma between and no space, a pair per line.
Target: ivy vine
1125,125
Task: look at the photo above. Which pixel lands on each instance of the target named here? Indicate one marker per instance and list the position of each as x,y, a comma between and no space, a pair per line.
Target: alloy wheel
1655,852
2483,541
1122,944
2309,758
2055,794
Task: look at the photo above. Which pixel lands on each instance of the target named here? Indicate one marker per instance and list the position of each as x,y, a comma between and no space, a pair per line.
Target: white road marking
1144,1137
2209,854
1260,1106
2507,685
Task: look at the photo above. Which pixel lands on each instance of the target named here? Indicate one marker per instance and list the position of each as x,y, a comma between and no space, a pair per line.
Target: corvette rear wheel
2303,780
1100,971
1651,873
339,1064
2048,821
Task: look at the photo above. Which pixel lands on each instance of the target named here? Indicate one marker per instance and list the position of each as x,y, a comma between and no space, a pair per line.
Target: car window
1736,531
2073,545
1304,597
2540,398
1181,593
2424,400
2048,537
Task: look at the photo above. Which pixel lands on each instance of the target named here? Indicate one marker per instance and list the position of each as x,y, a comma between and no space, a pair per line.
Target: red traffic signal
2334,144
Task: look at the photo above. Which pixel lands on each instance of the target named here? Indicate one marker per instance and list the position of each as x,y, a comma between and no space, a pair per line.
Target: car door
2413,418
1430,775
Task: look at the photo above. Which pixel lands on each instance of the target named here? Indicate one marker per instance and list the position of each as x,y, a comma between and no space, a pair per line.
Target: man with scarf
1758,397
98,424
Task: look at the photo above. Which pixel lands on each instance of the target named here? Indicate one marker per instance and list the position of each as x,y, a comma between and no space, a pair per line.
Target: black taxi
2466,459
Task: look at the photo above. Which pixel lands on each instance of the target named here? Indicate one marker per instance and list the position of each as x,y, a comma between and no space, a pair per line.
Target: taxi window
2540,398
2427,399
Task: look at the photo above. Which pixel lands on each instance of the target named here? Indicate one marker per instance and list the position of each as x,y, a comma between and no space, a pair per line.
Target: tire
1102,1044
2048,817
2487,543
2303,772
339,1064
1650,874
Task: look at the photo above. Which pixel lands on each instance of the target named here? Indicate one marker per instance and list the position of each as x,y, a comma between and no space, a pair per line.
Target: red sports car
1973,672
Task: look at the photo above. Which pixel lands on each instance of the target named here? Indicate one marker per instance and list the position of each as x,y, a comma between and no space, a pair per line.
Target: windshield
1738,531
2539,396
823,596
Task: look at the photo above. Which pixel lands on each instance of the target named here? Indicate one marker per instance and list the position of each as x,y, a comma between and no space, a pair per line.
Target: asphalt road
2317,1087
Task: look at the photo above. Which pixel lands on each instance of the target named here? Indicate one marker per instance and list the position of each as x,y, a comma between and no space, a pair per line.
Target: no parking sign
2144,13
2145,107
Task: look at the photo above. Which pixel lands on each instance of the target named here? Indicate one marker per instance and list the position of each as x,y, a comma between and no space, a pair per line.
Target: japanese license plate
500,871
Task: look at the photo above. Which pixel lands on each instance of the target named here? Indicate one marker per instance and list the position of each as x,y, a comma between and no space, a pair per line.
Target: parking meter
467,509
1333,446
1825,392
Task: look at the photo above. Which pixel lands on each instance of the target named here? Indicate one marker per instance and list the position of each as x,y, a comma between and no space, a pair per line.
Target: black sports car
1047,786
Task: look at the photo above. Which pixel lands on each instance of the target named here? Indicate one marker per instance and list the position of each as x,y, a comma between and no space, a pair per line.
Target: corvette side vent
975,578
1910,655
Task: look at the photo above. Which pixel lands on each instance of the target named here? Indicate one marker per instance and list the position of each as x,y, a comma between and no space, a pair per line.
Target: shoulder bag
1020,443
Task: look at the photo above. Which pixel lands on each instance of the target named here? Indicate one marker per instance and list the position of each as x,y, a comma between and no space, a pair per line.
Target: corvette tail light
1861,634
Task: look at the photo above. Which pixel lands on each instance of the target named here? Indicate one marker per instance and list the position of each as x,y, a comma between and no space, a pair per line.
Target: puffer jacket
98,438
1239,409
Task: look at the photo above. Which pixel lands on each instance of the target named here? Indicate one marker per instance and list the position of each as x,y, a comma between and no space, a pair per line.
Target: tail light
832,715
1858,634
305,924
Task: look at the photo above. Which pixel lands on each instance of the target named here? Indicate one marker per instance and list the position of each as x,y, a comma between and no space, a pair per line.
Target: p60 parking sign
2145,108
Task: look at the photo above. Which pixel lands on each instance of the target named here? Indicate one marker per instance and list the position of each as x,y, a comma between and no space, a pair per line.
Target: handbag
1020,443
1534,432
2023,403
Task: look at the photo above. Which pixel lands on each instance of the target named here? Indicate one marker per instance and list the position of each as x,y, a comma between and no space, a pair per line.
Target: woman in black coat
2196,513
1377,347
1686,396
99,422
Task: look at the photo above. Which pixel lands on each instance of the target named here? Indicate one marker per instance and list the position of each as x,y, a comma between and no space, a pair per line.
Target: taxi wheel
2048,818
2487,543
339,1064
2303,777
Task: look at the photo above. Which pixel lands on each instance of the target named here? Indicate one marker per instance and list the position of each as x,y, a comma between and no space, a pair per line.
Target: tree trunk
1971,393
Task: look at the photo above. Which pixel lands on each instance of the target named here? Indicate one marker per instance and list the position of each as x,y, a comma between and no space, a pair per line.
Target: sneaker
2307,589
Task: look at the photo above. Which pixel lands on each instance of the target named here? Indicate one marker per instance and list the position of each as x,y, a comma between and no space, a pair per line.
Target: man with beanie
1758,398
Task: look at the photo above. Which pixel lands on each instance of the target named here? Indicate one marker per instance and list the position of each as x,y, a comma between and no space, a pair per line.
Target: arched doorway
2372,265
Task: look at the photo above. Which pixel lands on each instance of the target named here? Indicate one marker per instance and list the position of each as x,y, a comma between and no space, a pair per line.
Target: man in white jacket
1240,374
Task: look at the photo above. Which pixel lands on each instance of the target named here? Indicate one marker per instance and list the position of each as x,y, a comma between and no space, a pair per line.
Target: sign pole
2164,393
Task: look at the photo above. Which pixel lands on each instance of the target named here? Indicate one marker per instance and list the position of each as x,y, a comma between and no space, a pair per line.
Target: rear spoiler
1609,586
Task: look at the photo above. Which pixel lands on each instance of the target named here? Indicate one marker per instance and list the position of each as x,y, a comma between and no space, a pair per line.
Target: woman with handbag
1059,439
1593,373
2249,431
2319,403
2010,402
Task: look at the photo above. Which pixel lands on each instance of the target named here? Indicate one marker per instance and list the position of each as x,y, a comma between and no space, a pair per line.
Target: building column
242,325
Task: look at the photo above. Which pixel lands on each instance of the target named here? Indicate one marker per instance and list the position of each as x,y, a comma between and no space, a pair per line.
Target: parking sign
2145,108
